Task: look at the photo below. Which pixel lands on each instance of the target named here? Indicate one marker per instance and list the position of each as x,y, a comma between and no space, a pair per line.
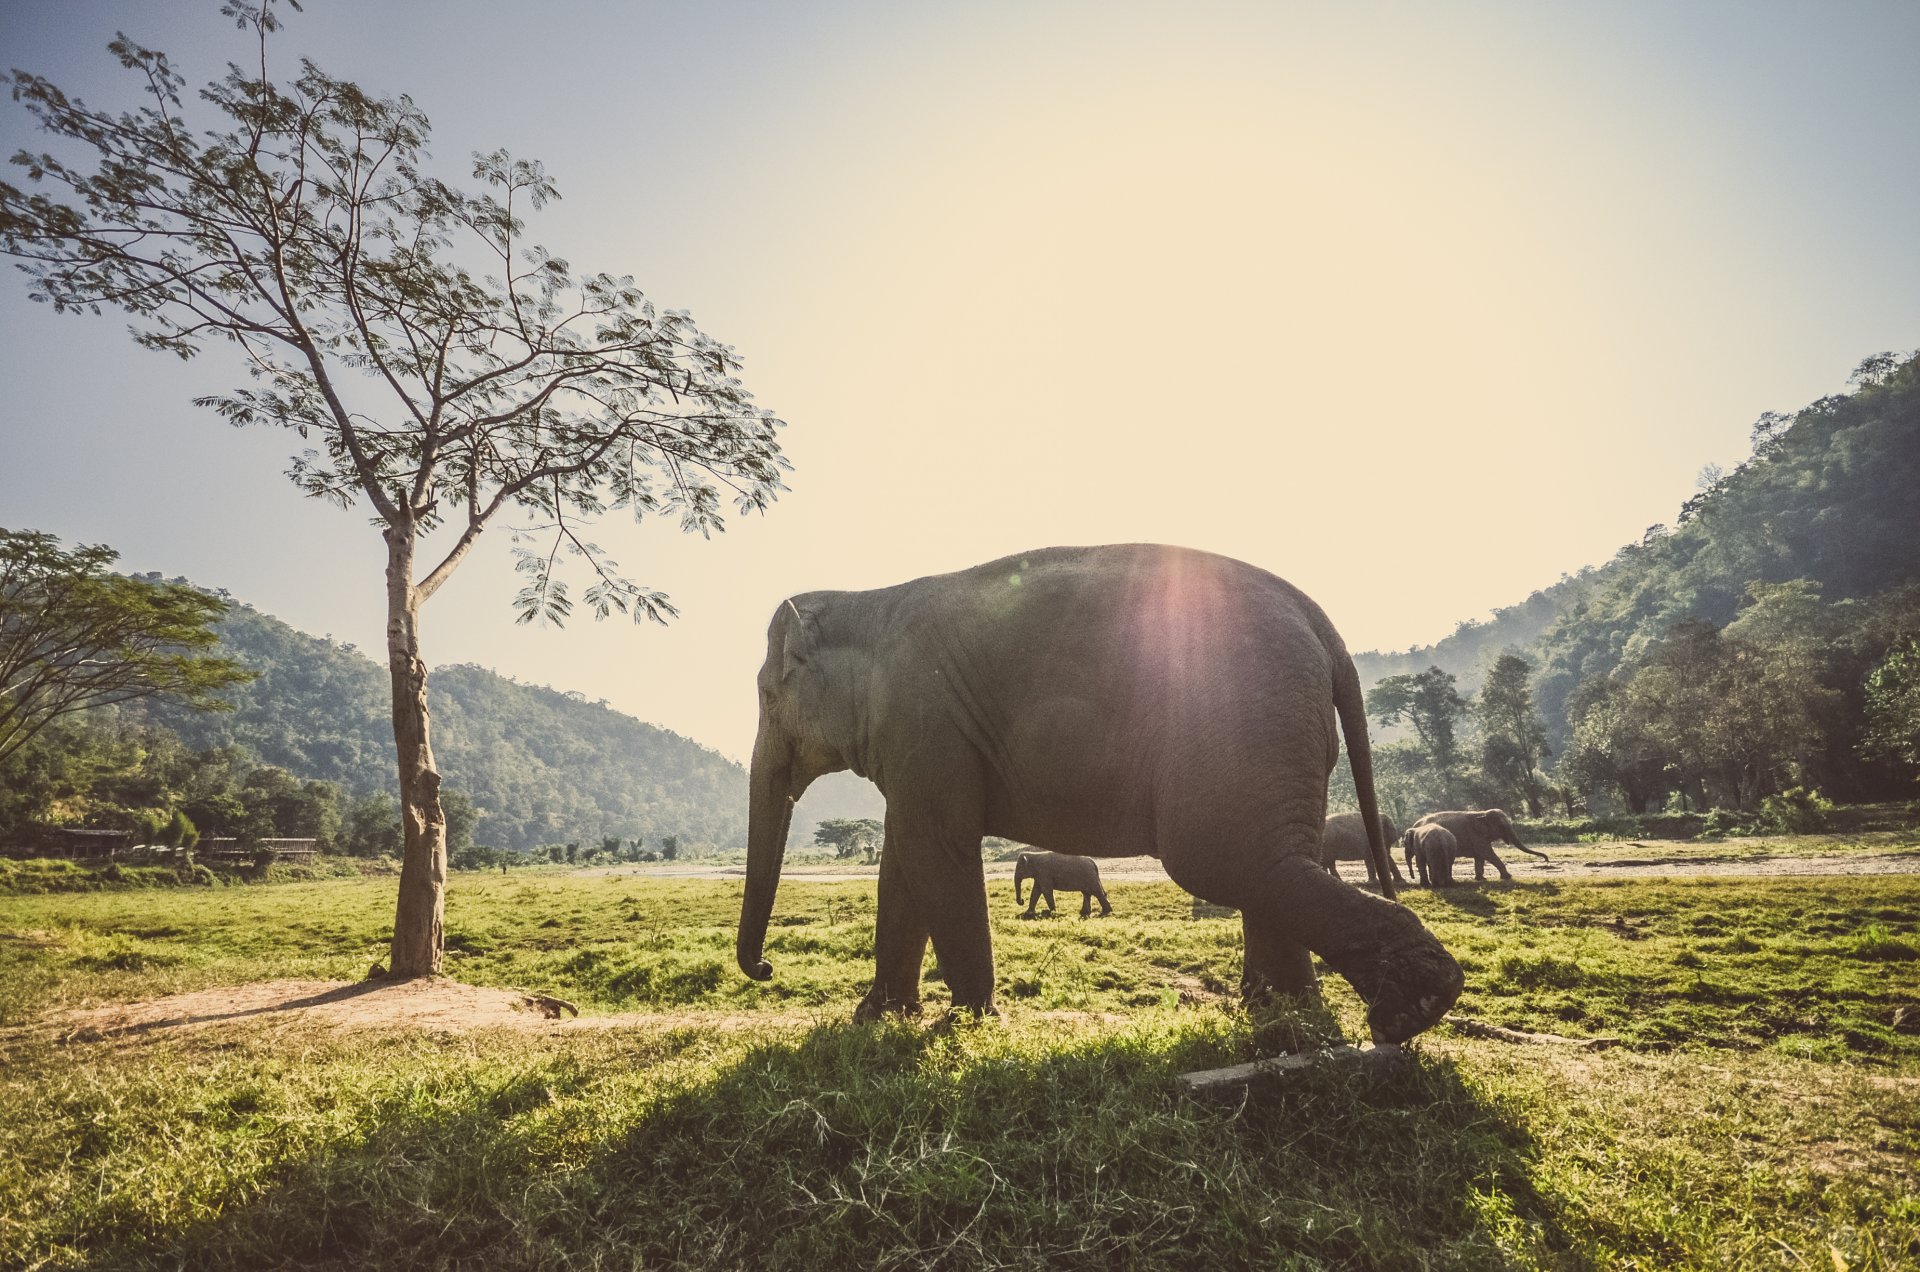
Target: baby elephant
1050,870
1430,852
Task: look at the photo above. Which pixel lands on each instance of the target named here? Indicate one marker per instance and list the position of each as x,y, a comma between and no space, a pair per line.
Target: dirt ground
438,1005
1626,859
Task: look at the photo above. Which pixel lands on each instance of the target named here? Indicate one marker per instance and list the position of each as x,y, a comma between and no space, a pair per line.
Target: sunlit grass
1764,1106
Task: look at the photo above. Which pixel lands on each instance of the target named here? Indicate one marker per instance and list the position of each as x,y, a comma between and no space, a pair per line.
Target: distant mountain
541,765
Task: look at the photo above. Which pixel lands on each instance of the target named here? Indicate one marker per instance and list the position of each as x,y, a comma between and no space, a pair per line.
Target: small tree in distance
851,836
445,370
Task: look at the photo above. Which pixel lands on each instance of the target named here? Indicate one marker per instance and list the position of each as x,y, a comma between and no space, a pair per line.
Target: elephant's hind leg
1274,963
1086,905
1106,906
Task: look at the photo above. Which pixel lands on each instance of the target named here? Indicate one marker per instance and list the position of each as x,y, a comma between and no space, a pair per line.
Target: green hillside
540,765
1831,494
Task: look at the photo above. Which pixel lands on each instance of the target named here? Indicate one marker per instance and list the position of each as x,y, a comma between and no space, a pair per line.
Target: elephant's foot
876,1006
1408,984
957,1016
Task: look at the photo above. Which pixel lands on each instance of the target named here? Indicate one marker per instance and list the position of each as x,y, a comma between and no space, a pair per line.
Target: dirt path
433,1006
429,1006
1623,860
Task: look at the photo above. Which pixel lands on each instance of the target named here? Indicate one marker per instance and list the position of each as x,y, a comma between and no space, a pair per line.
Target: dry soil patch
434,1006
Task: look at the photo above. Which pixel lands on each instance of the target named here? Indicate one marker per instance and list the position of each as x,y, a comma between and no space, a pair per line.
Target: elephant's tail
1352,706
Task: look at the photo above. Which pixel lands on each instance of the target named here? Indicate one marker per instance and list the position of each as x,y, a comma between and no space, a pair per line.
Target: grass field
1763,1108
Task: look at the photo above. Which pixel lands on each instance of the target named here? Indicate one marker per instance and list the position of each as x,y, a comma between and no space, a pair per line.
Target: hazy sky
1418,306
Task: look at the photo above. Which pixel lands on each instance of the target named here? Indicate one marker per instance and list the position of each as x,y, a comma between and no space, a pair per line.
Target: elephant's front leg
1498,864
939,857
899,946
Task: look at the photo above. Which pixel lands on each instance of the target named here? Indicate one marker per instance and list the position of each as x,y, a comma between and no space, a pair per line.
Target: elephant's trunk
769,818
1019,880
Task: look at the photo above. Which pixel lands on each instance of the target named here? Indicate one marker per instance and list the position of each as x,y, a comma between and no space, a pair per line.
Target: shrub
1722,822
1795,810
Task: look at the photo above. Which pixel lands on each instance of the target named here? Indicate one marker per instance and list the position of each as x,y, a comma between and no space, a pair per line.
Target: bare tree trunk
421,913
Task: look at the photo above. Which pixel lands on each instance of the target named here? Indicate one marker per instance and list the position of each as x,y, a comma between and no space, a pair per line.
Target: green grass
1764,1108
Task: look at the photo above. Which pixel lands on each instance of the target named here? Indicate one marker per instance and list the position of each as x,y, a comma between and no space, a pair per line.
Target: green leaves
448,367
73,636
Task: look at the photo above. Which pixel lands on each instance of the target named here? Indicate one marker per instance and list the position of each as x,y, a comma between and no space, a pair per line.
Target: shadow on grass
889,1146
325,998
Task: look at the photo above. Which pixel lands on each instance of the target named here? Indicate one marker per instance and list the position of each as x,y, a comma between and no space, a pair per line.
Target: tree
74,636
850,836
446,369
1613,745
1893,707
1430,703
1512,739
372,828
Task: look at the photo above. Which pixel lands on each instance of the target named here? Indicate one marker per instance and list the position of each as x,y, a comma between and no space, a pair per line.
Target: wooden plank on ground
1206,1081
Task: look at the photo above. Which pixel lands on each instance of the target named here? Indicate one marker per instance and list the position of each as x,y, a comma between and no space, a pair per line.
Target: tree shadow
293,1003
899,1145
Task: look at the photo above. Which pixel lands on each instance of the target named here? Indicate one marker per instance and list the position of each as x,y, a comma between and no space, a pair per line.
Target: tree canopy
74,635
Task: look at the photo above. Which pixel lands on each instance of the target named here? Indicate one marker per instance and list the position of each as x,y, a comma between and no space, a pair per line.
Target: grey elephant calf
1345,839
1476,833
1430,854
1050,870
1124,700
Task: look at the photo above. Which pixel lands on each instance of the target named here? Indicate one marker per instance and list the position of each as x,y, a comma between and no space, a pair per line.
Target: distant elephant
1104,701
1345,839
1476,834
1050,870
1430,853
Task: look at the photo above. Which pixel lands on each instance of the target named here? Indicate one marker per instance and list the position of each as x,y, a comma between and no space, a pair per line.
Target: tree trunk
420,916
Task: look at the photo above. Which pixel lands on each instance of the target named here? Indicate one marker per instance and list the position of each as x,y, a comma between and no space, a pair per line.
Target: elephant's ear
801,638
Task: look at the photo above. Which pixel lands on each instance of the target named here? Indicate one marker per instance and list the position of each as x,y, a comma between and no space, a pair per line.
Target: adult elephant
1050,870
1476,833
1102,701
1431,850
1345,839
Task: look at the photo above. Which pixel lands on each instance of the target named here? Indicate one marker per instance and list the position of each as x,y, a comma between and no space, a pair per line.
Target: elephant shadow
900,1144
1484,902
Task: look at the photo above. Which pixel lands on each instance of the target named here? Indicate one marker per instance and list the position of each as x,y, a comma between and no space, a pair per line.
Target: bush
1796,810
1722,822
1600,829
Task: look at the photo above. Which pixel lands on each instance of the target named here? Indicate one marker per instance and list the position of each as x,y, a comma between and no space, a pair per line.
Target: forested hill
540,766
1831,494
